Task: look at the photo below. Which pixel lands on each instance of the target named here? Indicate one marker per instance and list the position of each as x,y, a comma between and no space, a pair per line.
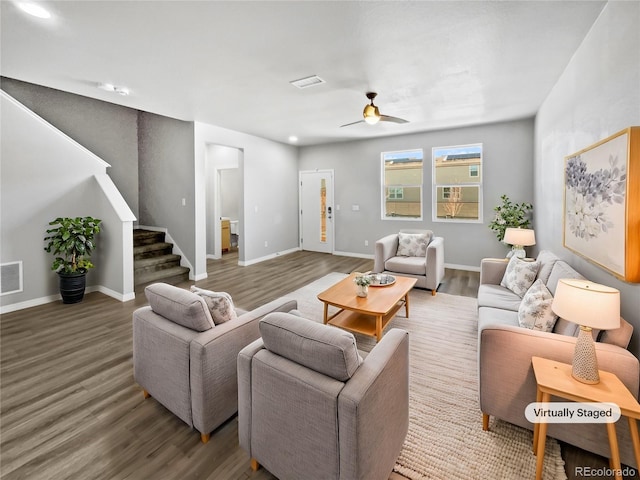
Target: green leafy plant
362,279
508,215
71,241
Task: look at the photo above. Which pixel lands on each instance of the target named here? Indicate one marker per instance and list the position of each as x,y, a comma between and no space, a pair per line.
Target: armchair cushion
220,304
330,351
411,265
413,244
180,306
519,275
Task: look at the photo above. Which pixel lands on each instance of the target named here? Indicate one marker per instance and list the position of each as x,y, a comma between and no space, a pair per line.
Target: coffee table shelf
359,322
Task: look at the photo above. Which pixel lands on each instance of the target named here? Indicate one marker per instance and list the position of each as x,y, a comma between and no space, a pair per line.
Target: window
402,185
457,183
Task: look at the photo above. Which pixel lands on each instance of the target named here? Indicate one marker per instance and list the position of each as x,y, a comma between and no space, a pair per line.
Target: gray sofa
185,362
428,269
506,380
310,407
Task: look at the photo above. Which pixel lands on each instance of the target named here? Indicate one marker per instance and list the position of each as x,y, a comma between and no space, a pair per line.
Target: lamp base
517,251
585,362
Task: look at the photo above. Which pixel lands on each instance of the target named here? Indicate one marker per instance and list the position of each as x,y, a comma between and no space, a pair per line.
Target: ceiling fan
372,115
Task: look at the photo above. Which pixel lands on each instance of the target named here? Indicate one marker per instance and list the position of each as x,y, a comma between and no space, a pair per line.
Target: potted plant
510,215
362,280
71,241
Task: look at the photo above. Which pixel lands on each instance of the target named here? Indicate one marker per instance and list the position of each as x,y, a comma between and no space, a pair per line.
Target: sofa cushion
410,265
547,260
496,316
325,349
519,275
620,336
561,269
535,310
220,304
413,244
496,296
180,306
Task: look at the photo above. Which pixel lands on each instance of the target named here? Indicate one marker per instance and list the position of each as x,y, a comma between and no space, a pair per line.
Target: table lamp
590,305
519,238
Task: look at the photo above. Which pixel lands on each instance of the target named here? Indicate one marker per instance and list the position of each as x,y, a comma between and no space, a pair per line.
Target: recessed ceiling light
33,9
293,139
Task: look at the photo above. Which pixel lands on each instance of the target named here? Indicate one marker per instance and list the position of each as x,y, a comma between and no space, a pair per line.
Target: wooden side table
554,378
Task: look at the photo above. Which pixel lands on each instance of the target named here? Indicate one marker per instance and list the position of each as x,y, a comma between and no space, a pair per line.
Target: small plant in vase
362,280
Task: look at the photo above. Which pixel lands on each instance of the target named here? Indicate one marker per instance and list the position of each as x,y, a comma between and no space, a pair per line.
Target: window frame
477,184
384,187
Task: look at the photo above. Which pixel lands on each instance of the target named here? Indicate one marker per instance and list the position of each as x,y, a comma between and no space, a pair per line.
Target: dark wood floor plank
71,409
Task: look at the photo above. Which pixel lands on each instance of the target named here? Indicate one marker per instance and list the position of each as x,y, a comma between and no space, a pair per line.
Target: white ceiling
438,64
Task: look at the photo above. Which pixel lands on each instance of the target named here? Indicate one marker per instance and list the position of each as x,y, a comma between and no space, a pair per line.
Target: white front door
316,211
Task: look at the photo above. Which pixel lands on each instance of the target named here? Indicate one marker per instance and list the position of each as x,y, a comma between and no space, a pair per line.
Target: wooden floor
71,410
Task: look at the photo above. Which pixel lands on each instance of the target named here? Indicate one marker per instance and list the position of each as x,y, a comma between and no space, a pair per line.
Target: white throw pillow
535,309
520,275
220,305
413,244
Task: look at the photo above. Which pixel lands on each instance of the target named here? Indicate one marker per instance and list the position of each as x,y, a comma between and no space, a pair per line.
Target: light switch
355,208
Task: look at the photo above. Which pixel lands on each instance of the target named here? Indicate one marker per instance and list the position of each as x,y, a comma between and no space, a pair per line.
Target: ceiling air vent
307,82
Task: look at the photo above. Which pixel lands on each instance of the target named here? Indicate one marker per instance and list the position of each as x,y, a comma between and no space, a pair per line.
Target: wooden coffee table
367,315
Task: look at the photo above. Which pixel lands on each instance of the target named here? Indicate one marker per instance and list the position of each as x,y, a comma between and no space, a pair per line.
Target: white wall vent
10,278
307,82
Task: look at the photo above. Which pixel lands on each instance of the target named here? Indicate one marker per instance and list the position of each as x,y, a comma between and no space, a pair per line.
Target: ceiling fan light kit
372,115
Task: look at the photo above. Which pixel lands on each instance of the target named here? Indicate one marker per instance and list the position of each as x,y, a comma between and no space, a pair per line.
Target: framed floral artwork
602,204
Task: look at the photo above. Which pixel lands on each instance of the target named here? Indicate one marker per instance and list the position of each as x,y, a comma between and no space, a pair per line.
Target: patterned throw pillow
220,305
413,244
535,309
520,275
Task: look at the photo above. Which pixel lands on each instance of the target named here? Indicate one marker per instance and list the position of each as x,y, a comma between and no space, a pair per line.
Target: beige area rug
445,439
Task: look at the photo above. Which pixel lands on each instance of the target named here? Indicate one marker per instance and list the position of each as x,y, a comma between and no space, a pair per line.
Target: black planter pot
72,286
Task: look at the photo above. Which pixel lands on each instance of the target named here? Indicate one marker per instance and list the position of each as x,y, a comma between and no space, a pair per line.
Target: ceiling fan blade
387,118
352,123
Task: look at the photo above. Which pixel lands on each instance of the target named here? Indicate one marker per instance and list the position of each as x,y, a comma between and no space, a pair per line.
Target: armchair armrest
386,248
492,270
374,400
244,393
214,375
435,263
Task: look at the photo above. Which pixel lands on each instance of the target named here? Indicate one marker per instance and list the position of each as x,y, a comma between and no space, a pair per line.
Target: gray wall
597,95
44,176
166,172
106,129
507,169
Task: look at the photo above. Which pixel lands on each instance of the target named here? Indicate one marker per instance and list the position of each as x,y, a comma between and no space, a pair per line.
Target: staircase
153,260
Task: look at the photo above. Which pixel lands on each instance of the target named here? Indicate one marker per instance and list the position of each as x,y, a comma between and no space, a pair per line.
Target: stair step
152,250
158,261
146,237
169,275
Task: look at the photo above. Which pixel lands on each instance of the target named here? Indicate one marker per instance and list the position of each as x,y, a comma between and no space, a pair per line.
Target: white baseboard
268,257
355,255
126,297
29,303
14,307
468,268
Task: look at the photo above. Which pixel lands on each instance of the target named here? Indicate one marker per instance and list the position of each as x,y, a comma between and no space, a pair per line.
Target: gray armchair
428,269
185,362
310,407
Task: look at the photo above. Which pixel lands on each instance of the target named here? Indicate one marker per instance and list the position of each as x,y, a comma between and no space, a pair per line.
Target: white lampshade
520,236
588,304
